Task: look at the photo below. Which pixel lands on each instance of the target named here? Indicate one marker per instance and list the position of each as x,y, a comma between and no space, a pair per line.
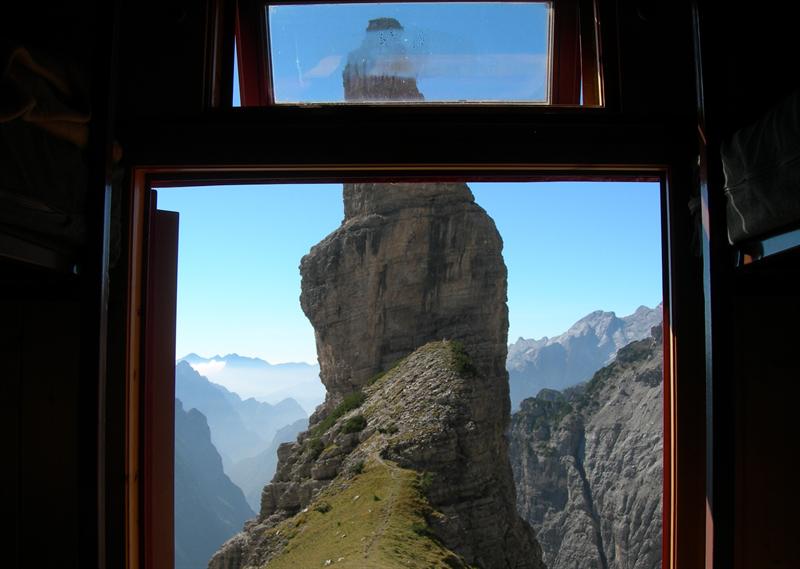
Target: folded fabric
45,94
761,163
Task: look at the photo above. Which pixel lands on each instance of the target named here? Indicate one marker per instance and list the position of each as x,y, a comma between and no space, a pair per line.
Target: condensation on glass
444,52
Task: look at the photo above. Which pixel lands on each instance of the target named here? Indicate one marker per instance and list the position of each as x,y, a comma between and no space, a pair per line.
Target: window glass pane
410,52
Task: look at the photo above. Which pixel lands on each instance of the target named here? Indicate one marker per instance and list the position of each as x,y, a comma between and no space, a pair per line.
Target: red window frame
576,72
150,539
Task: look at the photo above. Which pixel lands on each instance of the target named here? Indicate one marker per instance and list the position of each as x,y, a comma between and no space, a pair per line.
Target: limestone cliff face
588,465
414,275
408,303
410,263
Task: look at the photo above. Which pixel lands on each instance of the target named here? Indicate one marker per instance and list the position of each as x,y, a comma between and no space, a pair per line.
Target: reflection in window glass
435,52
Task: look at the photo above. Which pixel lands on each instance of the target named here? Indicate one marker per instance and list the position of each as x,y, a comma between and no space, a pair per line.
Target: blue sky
570,248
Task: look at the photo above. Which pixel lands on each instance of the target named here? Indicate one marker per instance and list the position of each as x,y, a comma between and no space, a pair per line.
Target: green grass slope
374,520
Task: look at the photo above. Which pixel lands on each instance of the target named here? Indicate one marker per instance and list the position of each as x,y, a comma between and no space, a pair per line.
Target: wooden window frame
150,393
263,144
681,455
575,65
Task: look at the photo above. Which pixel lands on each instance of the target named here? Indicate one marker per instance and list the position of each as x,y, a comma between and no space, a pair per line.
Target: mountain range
572,357
239,428
587,464
262,380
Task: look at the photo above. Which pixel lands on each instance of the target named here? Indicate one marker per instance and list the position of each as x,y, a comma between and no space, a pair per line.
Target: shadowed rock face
209,508
588,465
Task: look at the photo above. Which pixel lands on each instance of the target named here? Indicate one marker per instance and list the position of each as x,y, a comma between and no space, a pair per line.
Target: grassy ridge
352,401
376,520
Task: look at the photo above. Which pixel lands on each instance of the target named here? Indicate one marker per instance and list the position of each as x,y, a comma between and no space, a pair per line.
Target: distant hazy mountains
209,508
220,428
572,357
263,380
239,428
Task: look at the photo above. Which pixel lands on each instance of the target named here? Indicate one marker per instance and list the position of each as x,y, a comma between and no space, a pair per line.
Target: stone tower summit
410,284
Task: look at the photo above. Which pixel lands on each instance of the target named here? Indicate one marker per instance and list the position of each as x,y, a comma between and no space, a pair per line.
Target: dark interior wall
50,411
655,58
756,50
162,65
40,345
749,54
63,29
40,351
767,377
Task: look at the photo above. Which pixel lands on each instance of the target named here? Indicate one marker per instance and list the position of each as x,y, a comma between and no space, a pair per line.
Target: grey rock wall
412,267
587,463
411,263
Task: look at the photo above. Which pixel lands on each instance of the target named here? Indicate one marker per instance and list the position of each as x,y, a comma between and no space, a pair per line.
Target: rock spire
408,303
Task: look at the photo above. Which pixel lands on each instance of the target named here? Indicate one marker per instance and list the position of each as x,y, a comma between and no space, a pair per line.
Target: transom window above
532,53
410,52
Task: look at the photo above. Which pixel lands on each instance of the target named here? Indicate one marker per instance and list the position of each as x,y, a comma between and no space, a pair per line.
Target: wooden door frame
149,420
683,456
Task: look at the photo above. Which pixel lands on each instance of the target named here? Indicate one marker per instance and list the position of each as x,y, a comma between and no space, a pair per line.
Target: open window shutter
159,387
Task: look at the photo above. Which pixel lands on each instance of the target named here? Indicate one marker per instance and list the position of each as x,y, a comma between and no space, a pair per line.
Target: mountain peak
183,364
234,357
568,449
192,358
572,357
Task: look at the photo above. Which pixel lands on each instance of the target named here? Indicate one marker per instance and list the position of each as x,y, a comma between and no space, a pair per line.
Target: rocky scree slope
402,477
411,265
588,464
